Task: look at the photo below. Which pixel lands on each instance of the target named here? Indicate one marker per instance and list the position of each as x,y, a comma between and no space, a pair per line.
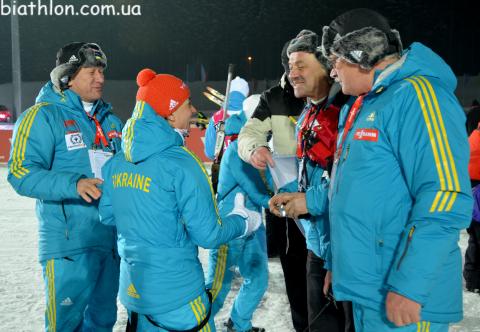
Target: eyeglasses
333,61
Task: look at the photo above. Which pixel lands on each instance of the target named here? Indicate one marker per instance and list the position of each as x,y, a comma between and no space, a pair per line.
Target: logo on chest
365,134
74,141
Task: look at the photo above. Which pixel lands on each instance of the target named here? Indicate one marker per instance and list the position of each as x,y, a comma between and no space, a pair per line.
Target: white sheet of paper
285,170
98,158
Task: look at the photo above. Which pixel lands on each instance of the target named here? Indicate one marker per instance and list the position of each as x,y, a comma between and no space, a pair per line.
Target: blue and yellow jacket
49,155
237,176
159,196
401,192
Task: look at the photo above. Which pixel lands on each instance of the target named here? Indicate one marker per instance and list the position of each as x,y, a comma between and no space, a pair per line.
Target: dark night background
171,34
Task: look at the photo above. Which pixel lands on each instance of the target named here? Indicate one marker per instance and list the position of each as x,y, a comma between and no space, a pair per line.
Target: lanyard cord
99,134
352,115
303,183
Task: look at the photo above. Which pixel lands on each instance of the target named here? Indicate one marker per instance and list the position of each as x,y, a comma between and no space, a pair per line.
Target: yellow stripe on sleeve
21,139
14,167
433,143
438,134
447,144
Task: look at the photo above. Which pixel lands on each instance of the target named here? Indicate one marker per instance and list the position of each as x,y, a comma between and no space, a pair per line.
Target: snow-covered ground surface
21,284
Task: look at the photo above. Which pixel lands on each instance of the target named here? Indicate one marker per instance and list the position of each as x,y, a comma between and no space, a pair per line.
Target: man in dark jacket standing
274,119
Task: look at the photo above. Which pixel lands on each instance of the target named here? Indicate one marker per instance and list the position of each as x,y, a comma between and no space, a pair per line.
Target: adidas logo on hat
173,104
72,59
357,55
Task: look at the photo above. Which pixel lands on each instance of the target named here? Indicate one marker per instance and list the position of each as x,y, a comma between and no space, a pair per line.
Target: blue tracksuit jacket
401,191
159,196
250,253
49,155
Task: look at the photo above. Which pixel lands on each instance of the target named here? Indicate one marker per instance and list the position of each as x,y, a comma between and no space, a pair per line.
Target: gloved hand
253,219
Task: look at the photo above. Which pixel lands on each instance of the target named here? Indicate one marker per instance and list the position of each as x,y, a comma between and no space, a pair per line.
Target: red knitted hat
164,93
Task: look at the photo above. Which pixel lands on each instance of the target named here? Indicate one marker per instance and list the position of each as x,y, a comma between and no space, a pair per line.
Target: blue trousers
184,318
81,292
250,255
368,320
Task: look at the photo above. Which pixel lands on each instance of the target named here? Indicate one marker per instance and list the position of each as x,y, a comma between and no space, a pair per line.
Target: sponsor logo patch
366,135
74,141
114,134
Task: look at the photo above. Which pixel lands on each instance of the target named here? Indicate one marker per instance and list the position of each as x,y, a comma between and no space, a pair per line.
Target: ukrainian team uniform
248,254
400,195
159,196
78,254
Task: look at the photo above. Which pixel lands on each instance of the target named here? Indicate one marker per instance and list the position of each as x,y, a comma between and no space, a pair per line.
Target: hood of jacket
417,60
69,100
147,133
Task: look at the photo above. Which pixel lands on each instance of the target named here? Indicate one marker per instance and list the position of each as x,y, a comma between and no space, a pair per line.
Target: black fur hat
73,56
360,36
308,41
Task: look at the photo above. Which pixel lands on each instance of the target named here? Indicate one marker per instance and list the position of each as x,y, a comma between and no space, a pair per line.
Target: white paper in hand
98,158
284,171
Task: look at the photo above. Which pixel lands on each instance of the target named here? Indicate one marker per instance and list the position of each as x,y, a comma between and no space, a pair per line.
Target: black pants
337,318
285,235
471,270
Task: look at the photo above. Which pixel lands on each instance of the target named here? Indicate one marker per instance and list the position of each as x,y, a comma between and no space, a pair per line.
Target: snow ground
21,283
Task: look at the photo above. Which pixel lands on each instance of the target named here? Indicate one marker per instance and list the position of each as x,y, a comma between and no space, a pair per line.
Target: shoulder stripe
456,182
439,142
21,139
137,114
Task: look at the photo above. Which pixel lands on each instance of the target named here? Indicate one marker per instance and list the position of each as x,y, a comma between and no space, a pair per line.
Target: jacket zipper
409,239
339,168
66,223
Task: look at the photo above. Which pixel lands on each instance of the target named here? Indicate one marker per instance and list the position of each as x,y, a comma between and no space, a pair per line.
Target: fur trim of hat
365,47
360,36
309,42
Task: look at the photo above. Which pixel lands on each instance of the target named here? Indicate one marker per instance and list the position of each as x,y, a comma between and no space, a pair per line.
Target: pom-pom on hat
240,85
163,92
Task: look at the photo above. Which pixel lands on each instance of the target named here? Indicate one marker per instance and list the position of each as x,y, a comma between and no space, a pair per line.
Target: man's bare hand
327,282
276,201
87,189
401,311
296,205
261,157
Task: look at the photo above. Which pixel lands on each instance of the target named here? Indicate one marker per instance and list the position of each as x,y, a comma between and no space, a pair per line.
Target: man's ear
171,118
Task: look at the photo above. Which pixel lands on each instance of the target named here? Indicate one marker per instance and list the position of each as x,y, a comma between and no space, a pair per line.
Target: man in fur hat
400,191
52,143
